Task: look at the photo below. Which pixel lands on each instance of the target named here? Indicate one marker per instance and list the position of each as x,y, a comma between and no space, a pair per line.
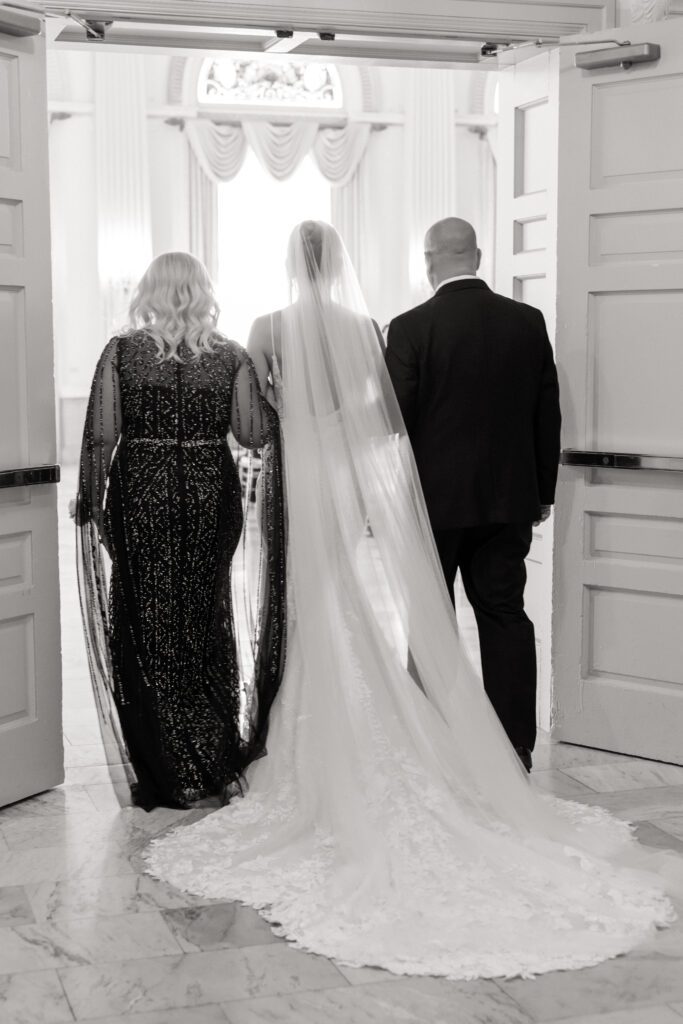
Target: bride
391,823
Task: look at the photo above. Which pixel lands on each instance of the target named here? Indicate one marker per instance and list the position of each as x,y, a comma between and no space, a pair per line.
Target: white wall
78,323
168,168
384,267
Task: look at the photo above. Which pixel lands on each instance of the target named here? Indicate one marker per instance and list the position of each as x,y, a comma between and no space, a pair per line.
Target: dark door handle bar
29,477
620,460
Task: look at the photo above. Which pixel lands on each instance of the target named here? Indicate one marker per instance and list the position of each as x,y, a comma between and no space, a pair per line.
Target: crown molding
486,20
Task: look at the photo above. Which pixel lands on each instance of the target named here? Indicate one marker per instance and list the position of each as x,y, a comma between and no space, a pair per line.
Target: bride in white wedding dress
390,823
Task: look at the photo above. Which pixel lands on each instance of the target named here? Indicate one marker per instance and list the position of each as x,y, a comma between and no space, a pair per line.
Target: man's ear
478,259
428,268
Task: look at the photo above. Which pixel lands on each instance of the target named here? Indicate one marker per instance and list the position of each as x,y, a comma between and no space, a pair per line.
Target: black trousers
491,562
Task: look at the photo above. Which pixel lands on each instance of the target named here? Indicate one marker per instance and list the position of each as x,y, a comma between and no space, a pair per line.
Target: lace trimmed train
434,894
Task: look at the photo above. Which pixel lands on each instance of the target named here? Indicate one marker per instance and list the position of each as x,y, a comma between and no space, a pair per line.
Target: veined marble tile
25,866
95,896
188,1015
611,778
104,797
14,907
55,863
93,940
130,829
671,823
72,799
638,804
566,755
192,979
622,984
408,1001
94,774
83,735
88,754
69,829
77,717
558,784
366,975
33,998
103,861
219,926
653,1015
652,833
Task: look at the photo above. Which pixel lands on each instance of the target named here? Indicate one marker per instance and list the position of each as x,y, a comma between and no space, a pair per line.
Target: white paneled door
30,672
525,270
618,594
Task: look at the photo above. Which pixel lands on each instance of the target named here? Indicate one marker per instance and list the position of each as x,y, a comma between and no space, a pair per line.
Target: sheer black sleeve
253,420
261,562
100,436
94,551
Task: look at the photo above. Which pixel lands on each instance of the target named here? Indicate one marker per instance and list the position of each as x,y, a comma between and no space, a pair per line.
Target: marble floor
85,936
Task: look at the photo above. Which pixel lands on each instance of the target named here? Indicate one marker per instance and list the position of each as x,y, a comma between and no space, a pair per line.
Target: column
430,163
124,220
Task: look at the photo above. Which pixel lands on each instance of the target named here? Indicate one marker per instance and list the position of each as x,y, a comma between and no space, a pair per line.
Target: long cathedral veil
339,408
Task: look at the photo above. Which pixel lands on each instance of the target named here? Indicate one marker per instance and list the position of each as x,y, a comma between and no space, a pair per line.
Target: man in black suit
476,381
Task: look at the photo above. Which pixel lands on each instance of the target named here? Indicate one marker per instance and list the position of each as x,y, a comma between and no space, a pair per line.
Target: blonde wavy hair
175,303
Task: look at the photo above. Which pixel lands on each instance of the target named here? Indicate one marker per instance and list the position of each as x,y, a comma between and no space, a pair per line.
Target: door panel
30,673
618,595
525,264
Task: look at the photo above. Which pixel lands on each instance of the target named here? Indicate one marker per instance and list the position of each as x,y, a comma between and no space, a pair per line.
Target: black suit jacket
476,381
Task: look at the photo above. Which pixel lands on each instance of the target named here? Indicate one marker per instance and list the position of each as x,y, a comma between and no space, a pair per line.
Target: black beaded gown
183,685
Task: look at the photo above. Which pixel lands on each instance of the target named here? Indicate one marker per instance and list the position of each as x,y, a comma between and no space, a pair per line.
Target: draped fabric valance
339,151
220,148
280,147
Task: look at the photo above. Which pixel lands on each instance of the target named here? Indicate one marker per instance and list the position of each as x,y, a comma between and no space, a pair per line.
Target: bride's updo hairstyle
315,250
174,303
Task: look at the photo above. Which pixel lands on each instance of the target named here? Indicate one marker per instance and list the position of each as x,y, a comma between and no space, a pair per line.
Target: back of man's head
451,250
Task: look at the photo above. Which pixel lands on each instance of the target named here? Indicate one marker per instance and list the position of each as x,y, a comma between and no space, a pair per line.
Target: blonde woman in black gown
159,516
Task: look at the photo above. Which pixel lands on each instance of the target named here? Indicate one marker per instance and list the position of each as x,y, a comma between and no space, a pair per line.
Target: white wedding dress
390,823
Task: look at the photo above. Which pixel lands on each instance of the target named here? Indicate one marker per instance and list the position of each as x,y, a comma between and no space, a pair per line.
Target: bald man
477,385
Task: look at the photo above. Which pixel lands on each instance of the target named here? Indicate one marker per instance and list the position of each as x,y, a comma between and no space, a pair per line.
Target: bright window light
256,214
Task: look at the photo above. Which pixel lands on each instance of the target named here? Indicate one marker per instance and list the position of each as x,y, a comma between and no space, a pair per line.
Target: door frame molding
499,21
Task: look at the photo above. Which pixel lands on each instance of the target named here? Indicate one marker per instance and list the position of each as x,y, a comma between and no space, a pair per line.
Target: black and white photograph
341,512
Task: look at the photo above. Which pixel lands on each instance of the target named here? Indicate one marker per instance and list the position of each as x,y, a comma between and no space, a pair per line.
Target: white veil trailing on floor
348,461
391,822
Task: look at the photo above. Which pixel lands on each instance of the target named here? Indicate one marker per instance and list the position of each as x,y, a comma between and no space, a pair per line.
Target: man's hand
545,514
